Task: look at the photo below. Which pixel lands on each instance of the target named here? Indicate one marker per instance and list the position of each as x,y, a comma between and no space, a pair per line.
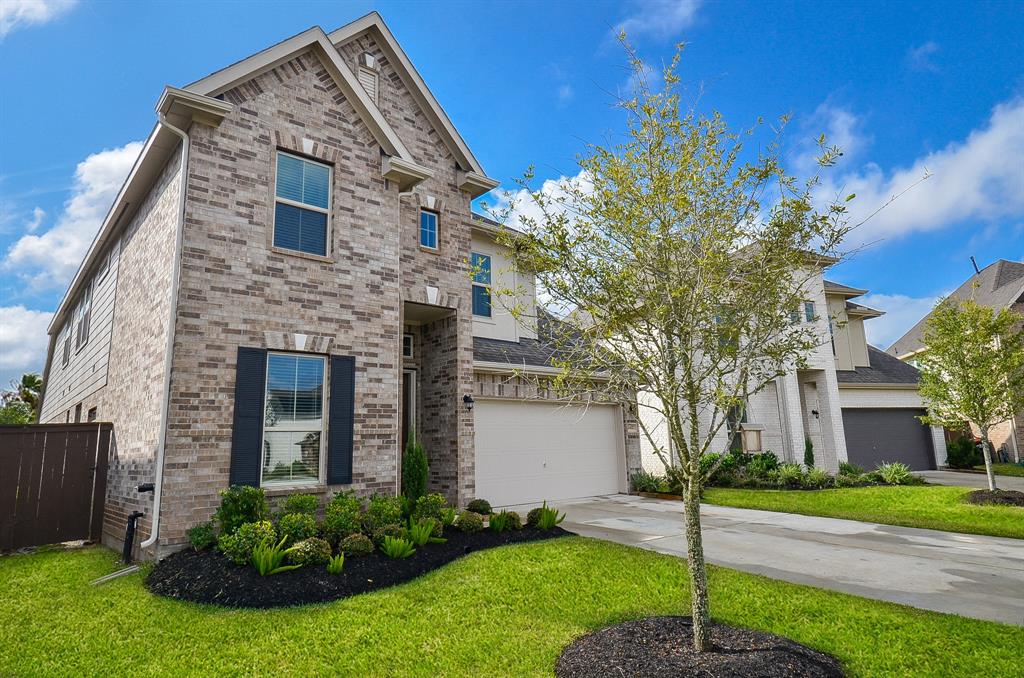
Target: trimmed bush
202,536
342,517
238,547
470,521
241,504
515,521
295,527
356,545
963,453
533,517
431,506
414,469
382,510
391,530
312,551
760,465
479,506
300,503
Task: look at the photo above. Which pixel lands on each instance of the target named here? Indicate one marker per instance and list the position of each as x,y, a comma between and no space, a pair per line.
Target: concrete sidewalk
976,480
974,576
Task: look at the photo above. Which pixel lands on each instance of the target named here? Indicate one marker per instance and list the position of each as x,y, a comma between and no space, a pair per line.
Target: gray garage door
875,436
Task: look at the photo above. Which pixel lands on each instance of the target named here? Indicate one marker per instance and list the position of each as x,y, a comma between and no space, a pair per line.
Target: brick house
999,285
852,401
281,291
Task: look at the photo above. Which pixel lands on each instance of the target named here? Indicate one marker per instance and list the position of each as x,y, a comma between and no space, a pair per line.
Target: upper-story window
481,264
82,315
65,355
809,311
294,419
302,204
428,229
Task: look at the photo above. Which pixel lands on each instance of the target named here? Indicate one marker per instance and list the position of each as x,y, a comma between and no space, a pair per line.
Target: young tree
20,405
972,368
676,259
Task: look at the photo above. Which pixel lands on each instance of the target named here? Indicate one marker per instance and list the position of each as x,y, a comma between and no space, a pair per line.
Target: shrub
470,521
414,469
894,473
817,479
499,522
963,453
646,482
295,527
300,503
533,517
341,517
312,551
515,521
336,564
707,461
788,475
355,545
241,504
393,547
268,558
448,516
549,517
848,480
808,453
676,480
239,546
390,530
479,506
431,506
760,465
848,469
202,536
381,511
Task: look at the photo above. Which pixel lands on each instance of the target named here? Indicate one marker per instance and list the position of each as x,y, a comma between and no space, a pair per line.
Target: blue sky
905,88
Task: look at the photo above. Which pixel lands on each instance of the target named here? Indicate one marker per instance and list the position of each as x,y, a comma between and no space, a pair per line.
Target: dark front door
874,436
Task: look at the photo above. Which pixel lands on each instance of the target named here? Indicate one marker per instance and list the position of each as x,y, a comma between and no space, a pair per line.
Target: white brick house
853,402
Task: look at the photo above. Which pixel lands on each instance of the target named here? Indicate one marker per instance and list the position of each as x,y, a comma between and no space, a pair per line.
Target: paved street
978,480
970,575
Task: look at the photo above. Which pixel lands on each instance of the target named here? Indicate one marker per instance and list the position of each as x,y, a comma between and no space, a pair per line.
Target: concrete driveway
976,480
970,575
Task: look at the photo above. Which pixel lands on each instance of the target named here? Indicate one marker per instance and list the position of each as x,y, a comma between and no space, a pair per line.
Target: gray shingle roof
999,285
885,369
533,352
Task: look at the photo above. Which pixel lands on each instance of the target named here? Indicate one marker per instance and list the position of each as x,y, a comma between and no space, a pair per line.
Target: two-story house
290,282
852,402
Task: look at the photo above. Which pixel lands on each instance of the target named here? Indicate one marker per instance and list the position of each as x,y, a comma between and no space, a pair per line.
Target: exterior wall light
468,401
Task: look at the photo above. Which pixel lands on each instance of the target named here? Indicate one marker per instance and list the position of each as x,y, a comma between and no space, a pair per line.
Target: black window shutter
247,434
341,419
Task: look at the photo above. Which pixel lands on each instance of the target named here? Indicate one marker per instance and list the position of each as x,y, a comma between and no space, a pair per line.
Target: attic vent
367,74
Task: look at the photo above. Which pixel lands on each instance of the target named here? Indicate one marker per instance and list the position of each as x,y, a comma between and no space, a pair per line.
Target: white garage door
530,452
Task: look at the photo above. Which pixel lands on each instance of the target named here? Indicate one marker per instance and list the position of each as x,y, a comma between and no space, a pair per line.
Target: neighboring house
281,294
1000,285
852,401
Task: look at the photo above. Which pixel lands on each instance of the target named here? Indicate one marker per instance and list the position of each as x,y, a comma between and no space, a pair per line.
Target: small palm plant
268,557
549,517
336,564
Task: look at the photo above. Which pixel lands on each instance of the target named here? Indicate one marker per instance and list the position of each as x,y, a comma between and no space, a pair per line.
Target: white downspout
165,395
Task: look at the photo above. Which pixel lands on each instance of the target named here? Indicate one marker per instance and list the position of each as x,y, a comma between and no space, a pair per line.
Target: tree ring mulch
663,646
209,577
1001,497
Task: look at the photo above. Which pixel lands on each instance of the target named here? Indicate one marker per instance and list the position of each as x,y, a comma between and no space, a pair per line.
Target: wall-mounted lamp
815,413
468,401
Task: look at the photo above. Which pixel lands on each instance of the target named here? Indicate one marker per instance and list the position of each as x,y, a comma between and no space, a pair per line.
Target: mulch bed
209,577
662,646
1001,497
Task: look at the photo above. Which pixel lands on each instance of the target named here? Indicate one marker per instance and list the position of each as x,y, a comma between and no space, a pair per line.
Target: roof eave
406,174
474,183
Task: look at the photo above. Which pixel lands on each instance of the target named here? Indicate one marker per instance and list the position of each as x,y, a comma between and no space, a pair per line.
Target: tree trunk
698,571
986,454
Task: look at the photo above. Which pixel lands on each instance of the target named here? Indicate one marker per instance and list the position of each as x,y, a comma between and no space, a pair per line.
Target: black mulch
209,577
662,646
1003,497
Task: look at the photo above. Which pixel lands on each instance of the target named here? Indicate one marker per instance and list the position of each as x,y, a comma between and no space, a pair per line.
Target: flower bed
209,577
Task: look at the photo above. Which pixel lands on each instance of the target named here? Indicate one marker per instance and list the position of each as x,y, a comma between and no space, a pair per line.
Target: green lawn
932,506
1005,469
502,612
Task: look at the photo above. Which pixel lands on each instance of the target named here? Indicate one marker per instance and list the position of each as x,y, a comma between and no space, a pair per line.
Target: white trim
412,345
437,229
328,234
486,286
506,368
297,427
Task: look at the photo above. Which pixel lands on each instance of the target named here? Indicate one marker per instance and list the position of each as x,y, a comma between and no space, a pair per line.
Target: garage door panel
881,435
529,452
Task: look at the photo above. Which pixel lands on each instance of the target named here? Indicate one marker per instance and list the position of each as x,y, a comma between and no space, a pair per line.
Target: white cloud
979,178
37,219
512,206
901,313
841,127
50,259
15,14
920,58
23,342
660,18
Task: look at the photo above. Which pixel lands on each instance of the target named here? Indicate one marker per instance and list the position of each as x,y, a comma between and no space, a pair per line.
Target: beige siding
520,295
86,371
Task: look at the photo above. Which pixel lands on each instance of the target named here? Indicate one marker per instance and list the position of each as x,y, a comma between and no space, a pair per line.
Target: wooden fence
53,480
